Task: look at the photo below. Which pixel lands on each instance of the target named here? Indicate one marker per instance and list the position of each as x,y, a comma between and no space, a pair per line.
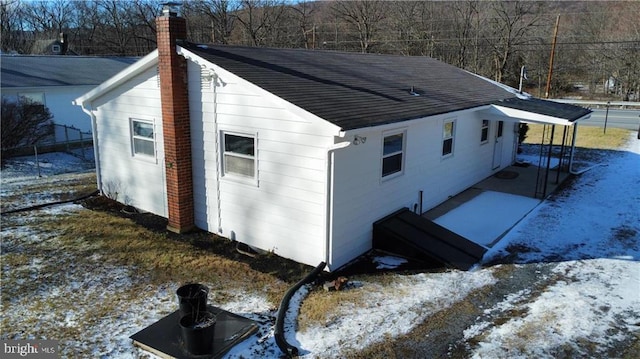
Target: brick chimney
174,95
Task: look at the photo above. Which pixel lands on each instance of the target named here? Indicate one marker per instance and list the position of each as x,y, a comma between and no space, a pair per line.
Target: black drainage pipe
38,206
287,349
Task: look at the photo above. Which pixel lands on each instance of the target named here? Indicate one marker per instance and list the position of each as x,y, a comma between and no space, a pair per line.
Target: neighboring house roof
41,71
355,90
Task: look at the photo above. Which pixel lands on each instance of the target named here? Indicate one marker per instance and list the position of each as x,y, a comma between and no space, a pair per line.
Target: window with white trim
239,155
143,139
33,97
392,153
484,132
448,133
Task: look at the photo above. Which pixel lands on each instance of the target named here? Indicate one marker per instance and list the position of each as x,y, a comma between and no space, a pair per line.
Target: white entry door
497,146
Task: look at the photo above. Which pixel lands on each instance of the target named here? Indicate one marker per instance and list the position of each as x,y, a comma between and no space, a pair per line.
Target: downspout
94,135
213,78
329,199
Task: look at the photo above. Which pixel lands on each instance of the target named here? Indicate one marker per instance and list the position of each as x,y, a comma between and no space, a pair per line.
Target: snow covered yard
565,282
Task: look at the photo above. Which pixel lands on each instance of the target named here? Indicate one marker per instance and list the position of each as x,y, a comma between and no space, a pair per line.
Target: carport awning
534,110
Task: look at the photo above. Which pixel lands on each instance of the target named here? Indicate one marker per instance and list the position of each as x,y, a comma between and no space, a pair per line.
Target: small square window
448,133
55,49
238,157
392,154
484,133
143,138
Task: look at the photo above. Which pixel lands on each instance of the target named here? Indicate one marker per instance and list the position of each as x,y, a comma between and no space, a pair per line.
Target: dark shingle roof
545,107
39,71
354,90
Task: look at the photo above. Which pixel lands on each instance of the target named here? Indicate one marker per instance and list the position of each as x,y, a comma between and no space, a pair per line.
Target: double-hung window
239,155
484,132
392,154
143,138
448,133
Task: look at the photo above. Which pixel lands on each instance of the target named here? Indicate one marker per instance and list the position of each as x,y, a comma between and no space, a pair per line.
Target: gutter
94,135
329,199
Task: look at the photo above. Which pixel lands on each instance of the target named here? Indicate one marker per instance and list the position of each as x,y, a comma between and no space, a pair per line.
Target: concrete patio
507,197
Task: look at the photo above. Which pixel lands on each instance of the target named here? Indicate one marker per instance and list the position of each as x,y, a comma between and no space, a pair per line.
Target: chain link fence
62,139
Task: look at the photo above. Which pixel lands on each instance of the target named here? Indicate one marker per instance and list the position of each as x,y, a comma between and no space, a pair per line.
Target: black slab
163,337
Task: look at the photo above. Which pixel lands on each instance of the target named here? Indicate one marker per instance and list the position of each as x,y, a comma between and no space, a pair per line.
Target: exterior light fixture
357,139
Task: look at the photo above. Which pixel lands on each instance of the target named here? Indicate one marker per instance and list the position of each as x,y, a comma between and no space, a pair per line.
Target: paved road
628,119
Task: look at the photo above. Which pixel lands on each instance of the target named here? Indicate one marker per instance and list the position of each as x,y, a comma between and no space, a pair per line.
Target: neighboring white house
298,151
56,81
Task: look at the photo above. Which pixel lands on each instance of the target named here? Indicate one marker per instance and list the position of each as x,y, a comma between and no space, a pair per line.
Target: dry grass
588,136
159,256
70,271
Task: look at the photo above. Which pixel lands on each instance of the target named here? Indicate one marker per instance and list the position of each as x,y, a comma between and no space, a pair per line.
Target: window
392,153
33,97
500,128
143,138
484,135
448,132
55,49
239,153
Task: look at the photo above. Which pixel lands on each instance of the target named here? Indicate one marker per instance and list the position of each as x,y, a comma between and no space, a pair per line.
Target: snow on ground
595,235
27,168
590,236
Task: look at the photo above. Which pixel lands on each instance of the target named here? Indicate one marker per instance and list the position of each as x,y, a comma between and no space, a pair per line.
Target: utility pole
553,51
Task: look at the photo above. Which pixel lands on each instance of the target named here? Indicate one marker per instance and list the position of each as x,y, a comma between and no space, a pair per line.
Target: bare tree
365,18
510,26
50,17
464,14
260,20
213,17
12,26
303,12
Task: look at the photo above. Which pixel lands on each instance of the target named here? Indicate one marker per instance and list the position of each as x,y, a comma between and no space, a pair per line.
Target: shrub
24,123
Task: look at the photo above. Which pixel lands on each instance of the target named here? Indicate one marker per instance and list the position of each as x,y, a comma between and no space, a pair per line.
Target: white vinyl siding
282,208
361,198
138,183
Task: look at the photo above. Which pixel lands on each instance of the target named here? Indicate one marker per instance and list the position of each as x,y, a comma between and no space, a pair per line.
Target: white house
55,81
298,151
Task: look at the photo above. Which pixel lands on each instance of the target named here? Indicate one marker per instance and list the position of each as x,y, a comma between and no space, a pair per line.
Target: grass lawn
587,137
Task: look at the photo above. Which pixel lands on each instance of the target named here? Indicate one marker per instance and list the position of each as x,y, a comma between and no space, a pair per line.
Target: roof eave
121,77
518,115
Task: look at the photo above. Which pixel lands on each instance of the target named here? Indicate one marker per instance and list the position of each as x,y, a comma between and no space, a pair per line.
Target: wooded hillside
597,52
